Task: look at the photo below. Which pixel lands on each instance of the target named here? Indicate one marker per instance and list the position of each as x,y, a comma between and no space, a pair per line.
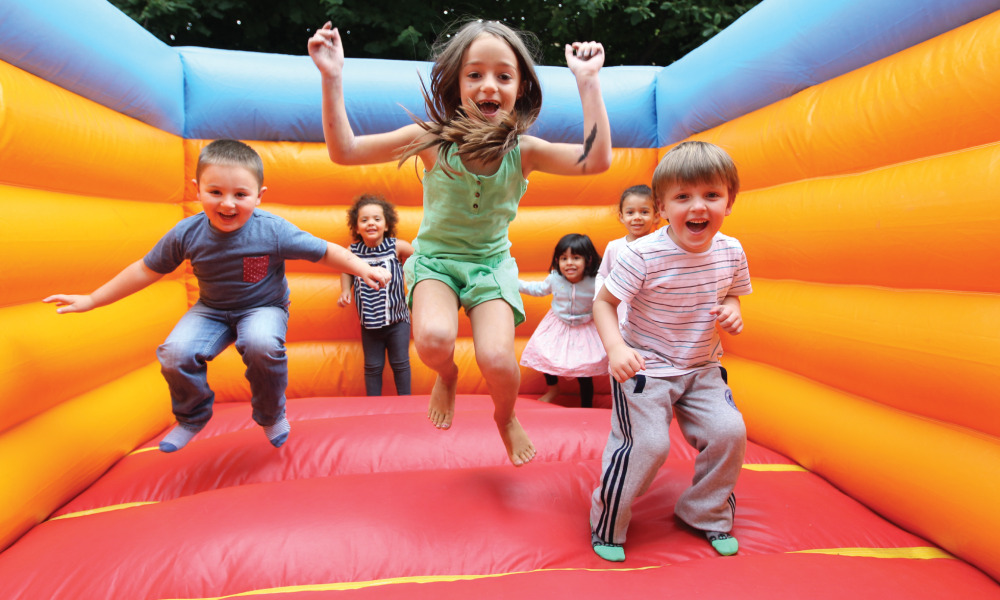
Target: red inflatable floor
368,500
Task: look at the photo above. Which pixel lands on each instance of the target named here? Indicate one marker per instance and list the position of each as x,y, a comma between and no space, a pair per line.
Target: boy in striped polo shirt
680,282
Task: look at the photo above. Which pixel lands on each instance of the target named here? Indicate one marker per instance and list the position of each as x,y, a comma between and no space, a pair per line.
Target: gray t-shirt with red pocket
239,269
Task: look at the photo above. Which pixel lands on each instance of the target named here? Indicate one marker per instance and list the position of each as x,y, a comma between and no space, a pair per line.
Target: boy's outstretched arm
729,315
341,259
623,361
130,280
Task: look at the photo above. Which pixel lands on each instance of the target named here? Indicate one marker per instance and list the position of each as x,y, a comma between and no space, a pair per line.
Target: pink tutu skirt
558,348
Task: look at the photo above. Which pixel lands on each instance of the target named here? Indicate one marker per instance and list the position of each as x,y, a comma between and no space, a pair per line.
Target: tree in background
634,32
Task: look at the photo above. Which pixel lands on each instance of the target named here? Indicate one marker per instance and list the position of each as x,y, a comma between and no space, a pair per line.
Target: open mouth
697,226
489,108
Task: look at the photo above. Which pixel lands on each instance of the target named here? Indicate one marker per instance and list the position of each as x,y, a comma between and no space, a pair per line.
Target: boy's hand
376,277
584,58
327,50
624,363
71,303
345,299
729,317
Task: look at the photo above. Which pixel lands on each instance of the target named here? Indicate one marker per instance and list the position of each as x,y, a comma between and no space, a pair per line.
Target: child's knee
655,447
730,432
175,357
434,344
497,365
261,347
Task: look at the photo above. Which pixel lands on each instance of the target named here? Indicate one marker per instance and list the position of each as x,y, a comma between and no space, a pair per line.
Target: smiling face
695,212
638,215
371,224
489,77
228,195
572,266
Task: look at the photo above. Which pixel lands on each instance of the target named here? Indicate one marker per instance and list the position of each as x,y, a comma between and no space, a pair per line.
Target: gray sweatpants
639,442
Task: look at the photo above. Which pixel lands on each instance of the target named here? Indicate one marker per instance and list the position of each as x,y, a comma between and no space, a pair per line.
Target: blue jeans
375,343
201,334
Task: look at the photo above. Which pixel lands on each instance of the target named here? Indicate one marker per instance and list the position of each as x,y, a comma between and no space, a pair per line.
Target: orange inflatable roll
74,353
533,233
326,368
912,225
928,477
47,460
82,243
936,97
301,174
70,144
881,344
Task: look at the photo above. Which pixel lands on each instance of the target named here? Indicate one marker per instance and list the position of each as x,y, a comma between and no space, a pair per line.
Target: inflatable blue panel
252,96
96,51
629,94
783,46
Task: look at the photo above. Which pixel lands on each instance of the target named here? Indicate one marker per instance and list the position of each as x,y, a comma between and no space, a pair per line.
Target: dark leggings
586,388
395,339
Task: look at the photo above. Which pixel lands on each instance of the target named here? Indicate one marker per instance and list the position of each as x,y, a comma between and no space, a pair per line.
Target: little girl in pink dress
565,343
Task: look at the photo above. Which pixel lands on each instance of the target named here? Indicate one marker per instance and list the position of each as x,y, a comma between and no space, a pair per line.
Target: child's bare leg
435,328
493,337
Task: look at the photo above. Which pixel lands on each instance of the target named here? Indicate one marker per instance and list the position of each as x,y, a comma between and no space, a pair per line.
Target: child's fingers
59,300
584,50
327,36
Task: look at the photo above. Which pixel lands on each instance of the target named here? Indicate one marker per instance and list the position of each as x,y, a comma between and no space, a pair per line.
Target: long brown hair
449,122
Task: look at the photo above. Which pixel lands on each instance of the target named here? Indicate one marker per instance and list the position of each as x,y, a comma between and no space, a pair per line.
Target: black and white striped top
379,308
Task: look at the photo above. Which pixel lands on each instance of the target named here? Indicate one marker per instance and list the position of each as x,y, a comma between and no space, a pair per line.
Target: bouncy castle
868,141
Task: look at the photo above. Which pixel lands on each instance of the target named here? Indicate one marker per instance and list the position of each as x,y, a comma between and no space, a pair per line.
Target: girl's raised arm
585,60
327,52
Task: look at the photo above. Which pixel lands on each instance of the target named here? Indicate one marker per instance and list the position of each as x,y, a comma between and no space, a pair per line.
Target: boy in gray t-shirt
238,255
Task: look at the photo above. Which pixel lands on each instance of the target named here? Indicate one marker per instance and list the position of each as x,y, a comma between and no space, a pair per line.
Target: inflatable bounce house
868,140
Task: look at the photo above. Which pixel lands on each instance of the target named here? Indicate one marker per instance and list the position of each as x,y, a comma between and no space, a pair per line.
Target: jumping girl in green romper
484,94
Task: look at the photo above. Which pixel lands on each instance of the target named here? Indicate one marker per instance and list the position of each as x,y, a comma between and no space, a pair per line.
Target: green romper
462,240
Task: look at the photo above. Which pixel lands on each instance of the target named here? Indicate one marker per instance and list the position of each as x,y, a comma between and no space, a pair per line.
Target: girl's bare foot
442,404
550,394
515,438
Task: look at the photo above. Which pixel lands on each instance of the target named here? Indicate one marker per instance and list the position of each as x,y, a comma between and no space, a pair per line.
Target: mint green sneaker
609,552
723,543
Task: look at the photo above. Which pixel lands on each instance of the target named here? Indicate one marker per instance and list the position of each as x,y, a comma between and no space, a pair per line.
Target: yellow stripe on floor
919,552
94,511
774,468
354,585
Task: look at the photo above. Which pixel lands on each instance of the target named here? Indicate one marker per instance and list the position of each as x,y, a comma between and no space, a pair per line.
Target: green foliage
634,32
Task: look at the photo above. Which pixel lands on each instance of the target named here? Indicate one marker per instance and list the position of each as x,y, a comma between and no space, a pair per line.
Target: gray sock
178,437
277,434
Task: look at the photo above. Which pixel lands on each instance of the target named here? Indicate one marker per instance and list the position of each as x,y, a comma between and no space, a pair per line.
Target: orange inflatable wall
871,347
